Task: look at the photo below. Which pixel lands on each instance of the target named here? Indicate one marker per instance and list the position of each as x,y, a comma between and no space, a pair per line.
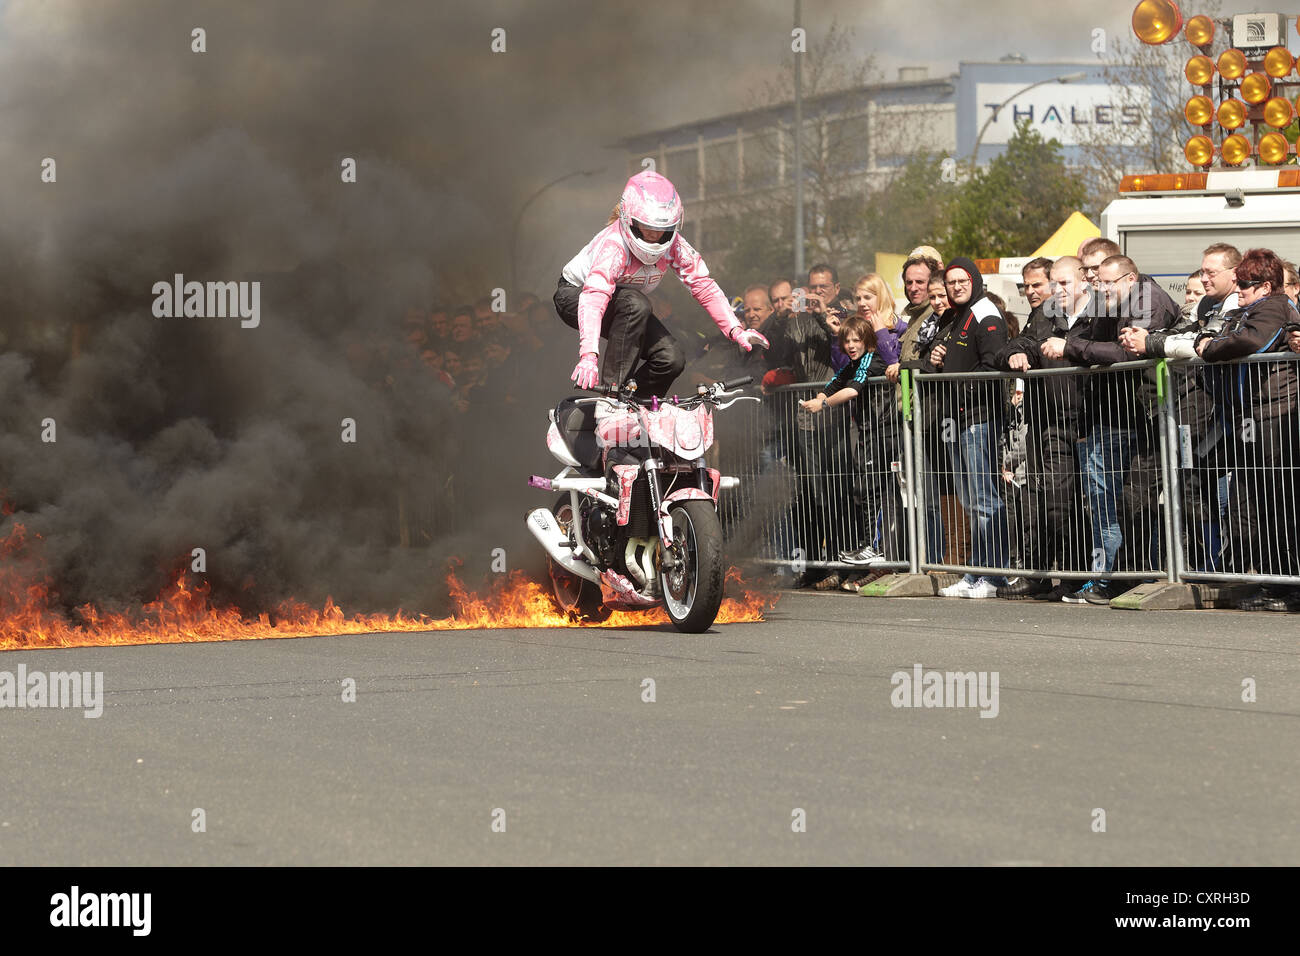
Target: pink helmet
649,202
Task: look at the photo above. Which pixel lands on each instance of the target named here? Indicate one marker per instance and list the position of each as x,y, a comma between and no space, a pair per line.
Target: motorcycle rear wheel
575,596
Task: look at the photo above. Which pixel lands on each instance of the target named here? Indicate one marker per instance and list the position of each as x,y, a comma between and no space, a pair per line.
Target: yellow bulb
1255,88
1272,148
1200,31
1278,113
1199,151
1199,70
1232,114
1235,149
1232,64
1278,62
1157,21
1199,111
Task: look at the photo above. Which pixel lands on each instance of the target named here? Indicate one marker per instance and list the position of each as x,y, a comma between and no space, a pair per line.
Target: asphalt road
1137,714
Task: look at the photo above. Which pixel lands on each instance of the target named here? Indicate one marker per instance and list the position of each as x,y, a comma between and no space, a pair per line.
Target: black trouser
1262,518
1055,525
1143,522
882,505
1199,466
639,346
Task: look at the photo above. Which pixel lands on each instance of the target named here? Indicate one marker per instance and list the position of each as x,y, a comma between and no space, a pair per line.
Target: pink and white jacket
606,262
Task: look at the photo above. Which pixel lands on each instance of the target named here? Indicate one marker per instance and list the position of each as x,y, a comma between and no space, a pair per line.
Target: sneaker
961,589
983,588
1102,594
1025,588
864,558
1091,593
828,583
1080,596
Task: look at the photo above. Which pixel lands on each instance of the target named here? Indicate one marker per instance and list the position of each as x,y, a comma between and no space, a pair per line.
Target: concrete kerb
1167,596
901,585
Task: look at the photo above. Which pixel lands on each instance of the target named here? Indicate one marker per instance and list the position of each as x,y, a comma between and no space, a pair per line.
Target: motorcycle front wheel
692,589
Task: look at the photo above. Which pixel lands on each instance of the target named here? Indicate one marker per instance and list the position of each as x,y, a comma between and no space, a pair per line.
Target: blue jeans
1105,457
976,472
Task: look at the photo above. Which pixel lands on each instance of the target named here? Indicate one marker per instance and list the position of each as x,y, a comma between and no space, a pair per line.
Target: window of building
762,159
684,170
720,169
847,142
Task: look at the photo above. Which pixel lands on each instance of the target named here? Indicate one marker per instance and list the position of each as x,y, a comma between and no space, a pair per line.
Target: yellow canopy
889,266
1065,241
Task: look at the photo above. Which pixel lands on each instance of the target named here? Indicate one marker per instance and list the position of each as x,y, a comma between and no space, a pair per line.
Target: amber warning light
1243,85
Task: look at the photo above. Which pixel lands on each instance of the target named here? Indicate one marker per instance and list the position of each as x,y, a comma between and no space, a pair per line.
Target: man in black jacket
1120,421
1060,296
972,414
1199,484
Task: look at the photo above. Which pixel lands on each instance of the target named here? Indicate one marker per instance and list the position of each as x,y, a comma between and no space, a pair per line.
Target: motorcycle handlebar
621,394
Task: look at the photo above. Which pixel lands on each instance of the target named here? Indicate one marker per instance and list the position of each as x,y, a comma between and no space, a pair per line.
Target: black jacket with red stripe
975,333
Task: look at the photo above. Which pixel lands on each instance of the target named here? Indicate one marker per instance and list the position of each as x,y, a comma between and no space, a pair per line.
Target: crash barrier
1057,472
1150,470
814,484
1235,456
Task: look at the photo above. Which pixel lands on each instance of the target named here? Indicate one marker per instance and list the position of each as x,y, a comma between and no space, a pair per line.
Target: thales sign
1071,113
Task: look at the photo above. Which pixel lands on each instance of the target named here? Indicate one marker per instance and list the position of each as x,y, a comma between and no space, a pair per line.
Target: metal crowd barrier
1235,453
819,482
1137,471
1057,471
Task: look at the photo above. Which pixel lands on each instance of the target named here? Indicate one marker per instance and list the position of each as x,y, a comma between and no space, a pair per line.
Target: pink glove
586,374
748,338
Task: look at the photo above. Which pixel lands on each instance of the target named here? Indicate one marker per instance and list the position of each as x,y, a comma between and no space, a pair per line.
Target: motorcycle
636,526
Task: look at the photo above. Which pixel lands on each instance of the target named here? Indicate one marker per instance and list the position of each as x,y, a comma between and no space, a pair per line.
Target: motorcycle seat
577,426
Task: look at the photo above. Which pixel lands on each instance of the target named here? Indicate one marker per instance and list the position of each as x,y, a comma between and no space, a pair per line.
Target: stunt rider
603,292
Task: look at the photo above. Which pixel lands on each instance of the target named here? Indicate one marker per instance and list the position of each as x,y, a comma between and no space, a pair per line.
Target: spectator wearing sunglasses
1261,401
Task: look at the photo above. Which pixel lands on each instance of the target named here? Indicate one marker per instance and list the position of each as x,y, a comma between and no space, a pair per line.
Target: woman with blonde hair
876,305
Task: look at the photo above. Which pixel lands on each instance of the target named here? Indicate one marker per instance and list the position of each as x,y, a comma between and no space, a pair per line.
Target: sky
417,84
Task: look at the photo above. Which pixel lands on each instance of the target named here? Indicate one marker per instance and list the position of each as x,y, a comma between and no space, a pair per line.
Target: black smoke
176,433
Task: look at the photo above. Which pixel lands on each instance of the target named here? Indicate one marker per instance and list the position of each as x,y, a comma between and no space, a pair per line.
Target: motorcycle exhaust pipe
547,531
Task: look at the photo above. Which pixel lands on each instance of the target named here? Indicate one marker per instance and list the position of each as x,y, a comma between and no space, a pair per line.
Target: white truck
1164,222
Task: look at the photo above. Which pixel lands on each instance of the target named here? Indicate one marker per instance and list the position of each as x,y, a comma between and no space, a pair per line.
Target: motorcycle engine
600,531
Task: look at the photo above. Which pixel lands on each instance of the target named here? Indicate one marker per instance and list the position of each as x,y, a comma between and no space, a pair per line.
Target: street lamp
798,149
514,234
1067,78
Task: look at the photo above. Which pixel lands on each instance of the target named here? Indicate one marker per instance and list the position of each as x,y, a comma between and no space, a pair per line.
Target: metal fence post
909,472
1173,511
919,466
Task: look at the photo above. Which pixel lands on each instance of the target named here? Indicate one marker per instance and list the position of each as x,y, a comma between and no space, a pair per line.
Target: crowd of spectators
1052,473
